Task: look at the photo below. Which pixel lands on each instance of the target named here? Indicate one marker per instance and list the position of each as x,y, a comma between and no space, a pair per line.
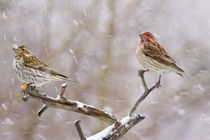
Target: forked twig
146,90
66,104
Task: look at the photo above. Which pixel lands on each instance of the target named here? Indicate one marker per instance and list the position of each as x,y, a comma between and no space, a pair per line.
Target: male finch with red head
153,56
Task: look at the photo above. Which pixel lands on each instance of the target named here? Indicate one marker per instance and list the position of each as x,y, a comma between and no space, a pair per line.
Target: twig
63,89
141,74
146,90
70,105
44,108
79,130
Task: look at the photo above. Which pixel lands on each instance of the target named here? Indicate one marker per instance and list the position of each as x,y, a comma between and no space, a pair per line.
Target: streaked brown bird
152,56
31,70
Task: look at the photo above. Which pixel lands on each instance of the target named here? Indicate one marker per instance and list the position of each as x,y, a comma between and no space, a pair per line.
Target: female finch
153,57
31,70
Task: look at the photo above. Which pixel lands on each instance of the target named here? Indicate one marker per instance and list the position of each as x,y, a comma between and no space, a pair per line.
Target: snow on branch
66,104
113,133
115,130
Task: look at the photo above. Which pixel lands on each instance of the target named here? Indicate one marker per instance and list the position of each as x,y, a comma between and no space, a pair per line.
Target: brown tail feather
63,77
179,71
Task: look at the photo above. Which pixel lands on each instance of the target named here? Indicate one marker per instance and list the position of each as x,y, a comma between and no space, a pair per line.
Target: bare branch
141,74
70,105
146,90
79,130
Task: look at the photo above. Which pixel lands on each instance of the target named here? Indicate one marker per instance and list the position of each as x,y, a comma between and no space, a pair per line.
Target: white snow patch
104,67
156,35
7,121
18,116
69,122
80,105
87,64
64,84
154,102
43,126
101,134
4,106
4,37
15,39
108,109
59,115
81,22
12,81
4,15
85,12
201,88
74,56
205,118
5,133
15,46
108,130
125,119
181,112
75,22
41,137
4,62
176,98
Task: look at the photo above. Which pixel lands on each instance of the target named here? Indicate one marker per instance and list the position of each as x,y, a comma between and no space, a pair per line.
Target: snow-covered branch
116,128
113,133
66,104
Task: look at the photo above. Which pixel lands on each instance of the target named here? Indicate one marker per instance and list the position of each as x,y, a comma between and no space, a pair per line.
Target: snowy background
95,41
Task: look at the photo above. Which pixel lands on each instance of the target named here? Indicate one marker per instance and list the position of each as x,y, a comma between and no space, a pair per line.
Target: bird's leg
158,82
24,86
141,72
23,90
32,87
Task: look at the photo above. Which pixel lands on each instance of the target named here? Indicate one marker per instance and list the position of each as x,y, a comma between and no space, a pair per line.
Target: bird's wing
37,64
156,51
44,68
34,62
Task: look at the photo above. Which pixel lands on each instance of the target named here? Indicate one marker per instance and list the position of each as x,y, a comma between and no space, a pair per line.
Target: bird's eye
148,35
23,49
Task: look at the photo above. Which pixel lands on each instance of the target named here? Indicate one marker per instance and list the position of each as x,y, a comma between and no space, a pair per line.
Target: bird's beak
14,49
142,36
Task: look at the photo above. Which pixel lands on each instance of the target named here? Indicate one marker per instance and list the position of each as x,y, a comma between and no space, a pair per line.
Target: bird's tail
181,72
63,77
75,81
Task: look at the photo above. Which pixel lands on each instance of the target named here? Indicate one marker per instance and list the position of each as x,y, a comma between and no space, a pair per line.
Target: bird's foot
25,86
158,83
24,92
141,72
31,86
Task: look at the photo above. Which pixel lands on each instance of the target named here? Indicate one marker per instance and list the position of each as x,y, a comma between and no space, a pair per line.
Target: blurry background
95,41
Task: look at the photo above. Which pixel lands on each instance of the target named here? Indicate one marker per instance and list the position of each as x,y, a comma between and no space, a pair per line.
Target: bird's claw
31,86
25,97
158,82
141,72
